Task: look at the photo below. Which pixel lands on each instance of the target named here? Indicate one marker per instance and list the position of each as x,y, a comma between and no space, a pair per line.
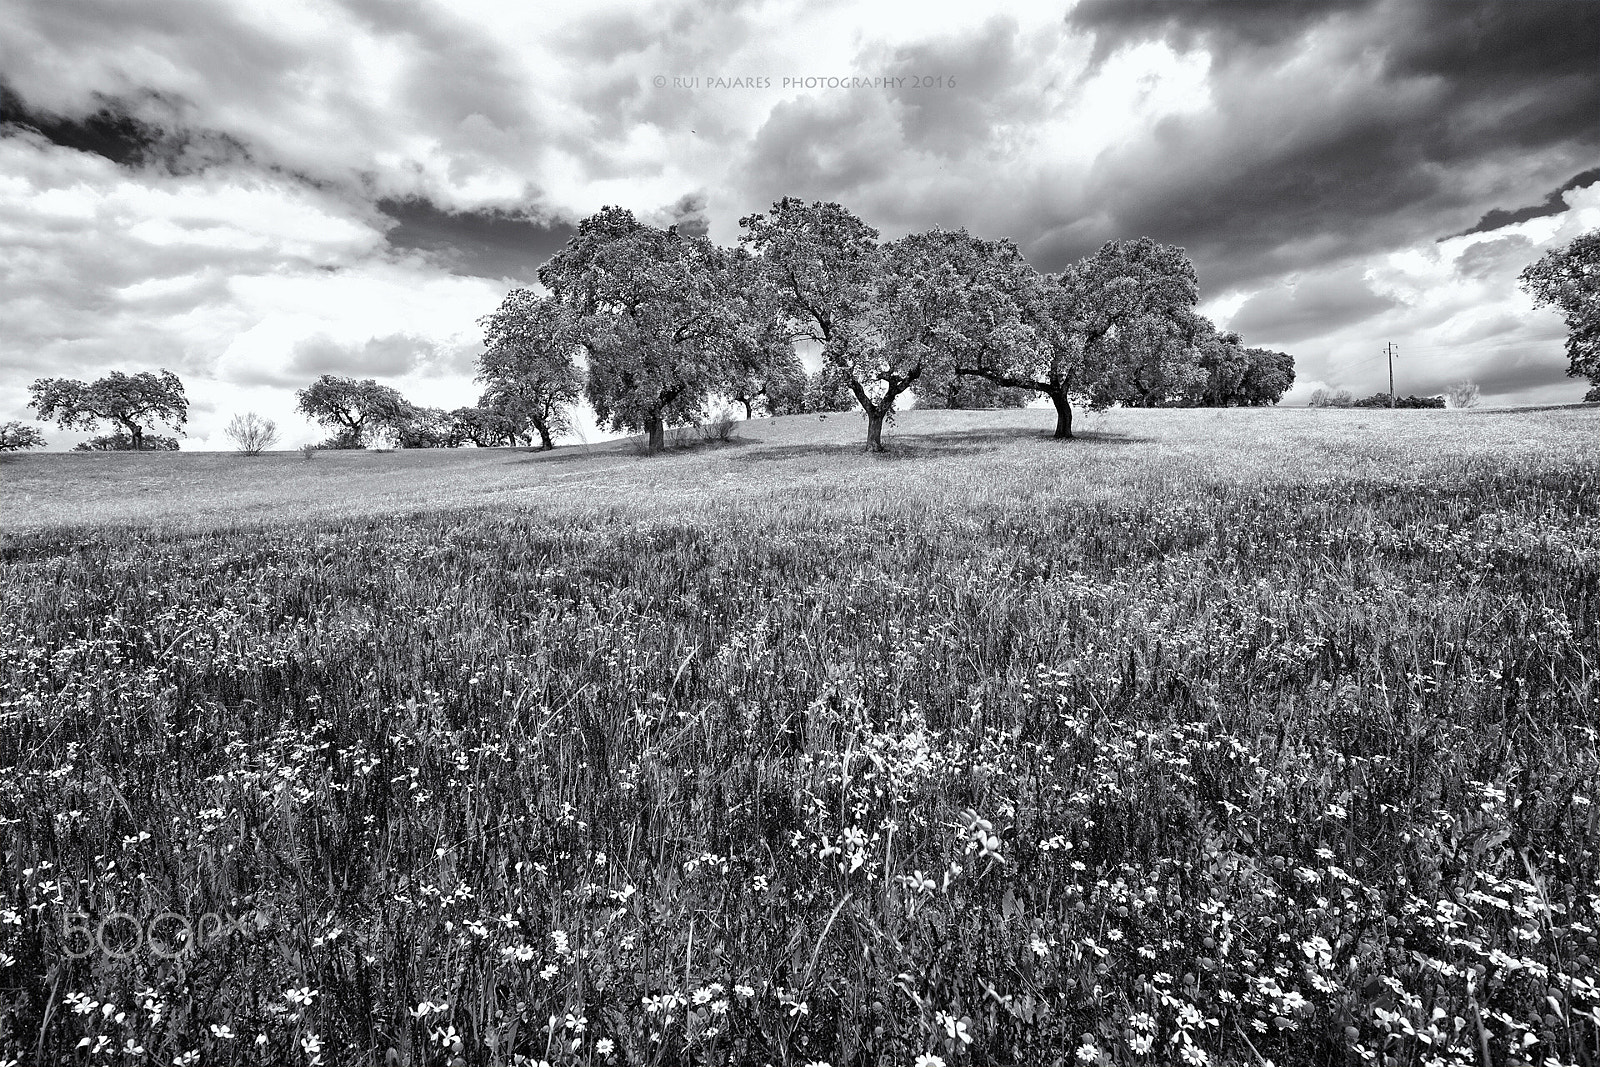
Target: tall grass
1192,769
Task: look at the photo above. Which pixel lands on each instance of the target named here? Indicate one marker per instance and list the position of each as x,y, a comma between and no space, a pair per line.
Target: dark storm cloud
1222,28
1285,314
485,244
146,130
1300,165
1554,204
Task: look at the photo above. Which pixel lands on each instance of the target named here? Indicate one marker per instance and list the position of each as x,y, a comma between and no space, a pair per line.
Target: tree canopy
354,408
1113,327
16,436
657,312
529,365
135,403
1568,279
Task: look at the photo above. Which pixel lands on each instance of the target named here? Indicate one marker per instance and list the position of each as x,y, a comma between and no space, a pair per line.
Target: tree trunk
545,444
1063,405
655,434
875,430
749,410
137,433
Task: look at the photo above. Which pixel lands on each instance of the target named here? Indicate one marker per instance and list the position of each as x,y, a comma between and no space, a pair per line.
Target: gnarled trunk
875,430
1063,405
655,434
545,444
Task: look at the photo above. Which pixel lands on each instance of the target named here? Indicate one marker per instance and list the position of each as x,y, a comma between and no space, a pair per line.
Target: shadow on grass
929,446
627,448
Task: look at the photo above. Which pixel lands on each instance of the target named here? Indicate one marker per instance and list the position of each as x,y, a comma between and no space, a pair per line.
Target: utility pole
1389,351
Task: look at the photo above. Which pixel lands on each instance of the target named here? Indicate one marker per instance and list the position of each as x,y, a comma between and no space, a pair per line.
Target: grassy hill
799,457
1213,737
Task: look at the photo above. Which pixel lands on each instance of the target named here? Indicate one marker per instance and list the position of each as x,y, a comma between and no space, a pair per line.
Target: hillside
790,459
1223,737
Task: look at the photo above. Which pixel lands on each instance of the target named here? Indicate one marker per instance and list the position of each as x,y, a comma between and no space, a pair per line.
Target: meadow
1238,737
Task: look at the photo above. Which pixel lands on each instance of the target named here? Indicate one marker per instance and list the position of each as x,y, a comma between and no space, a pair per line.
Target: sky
252,193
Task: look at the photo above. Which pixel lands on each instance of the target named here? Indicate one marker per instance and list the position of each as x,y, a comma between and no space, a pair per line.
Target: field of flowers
1294,768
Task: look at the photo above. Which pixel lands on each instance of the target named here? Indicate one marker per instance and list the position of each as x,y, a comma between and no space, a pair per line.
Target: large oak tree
133,402
656,310
1112,327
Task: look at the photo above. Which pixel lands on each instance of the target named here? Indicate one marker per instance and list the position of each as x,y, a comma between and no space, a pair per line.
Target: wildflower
928,1059
605,1046
301,997
222,1032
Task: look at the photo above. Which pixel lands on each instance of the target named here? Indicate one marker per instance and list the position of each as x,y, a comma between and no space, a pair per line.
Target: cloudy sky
253,192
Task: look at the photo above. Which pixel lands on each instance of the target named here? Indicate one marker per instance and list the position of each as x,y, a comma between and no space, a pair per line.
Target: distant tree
1117,326
765,373
1568,279
251,434
529,364
16,436
1382,400
428,428
1268,375
1463,394
824,391
121,442
965,393
353,408
1332,398
658,313
484,426
135,402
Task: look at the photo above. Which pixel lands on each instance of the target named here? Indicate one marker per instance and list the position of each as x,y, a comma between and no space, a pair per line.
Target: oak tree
529,365
133,402
353,408
1568,279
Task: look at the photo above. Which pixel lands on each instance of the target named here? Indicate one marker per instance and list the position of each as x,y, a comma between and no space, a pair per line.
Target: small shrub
1332,398
251,434
721,427
1463,394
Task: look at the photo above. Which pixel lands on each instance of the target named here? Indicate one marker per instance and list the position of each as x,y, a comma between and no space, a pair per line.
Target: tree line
651,325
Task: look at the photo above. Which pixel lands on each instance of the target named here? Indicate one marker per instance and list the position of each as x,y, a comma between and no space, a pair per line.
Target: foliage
1191,768
16,436
1382,400
821,267
529,365
486,427
1114,327
135,402
121,442
1463,394
1230,375
658,312
429,428
353,408
1568,279
955,392
251,434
